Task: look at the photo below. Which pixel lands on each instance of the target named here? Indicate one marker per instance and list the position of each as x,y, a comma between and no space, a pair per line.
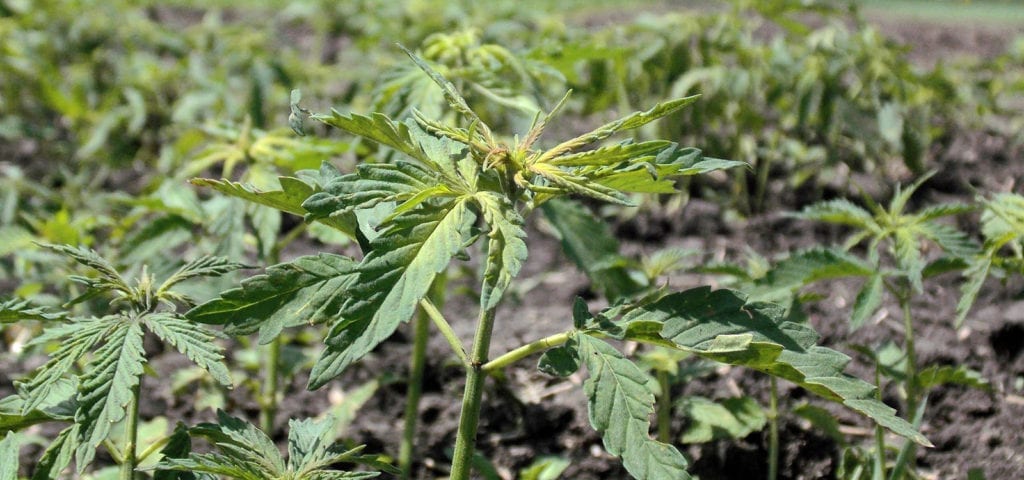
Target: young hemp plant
455,187
104,397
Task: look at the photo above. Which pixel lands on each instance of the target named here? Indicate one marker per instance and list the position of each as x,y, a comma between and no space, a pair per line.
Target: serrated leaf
377,127
506,247
936,375
591,246
58,455
9,447
868,300
309,289
949,238
975,275
289,199
839,211
373,184
907,250
391,280
569,183
560,361
59,405
192,340
805,267
696,321
205,266
109,278
179,445
612,154
14,310
107,387
620,405
944,210
76,339
730,419
630,122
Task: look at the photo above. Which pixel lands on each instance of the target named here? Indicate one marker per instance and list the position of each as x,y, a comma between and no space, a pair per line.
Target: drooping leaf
373,184
391,280
731,419
58,406
107,387
192,340
567,182
722,326
591,246
309,289
57,456
620,404
506,248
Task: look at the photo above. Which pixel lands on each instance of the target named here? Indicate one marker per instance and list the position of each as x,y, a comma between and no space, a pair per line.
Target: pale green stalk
664,408
773,430
131,432
414,389
470,416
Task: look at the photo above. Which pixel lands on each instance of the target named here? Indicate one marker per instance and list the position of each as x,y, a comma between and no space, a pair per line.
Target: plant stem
268,404
913,395
773,430
879,432
414,388
664,408
446,330
469,417
131,433
524,351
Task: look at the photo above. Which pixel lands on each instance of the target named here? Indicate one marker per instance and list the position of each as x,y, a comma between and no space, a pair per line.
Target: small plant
453,187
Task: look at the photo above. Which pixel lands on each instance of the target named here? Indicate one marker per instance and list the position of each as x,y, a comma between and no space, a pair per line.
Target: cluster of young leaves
247,453
97,399
1002,225
890,233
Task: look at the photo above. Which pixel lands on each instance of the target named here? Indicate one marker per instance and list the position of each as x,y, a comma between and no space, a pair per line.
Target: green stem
524,351
446,330
131,433
469,417
414,389
908,455
153,448
879,431
773,431
268,403
664,408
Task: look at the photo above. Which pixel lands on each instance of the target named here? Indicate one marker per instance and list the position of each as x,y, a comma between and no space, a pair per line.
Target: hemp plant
453,188
105,395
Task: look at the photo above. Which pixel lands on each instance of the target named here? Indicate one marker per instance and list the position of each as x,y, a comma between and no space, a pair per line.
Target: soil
527,414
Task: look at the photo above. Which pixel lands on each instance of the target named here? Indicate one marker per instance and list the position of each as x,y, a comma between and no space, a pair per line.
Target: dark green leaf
192,340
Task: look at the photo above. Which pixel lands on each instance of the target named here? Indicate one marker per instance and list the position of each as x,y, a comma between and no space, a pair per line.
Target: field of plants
660,240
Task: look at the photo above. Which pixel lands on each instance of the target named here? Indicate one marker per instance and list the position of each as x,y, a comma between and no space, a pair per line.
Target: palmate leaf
620,405
309,289
506,248
391,280
289,199
722,326
370,185
76,339
107,387
654,174
630,122
192,340
14,310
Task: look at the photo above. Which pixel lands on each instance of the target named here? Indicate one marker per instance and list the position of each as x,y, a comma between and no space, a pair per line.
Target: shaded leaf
730,419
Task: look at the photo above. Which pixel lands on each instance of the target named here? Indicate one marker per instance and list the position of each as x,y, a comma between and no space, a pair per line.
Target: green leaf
289,199
374,184
76,339
613,154
57,455
731,419
620,405
935,376
392,279
205,266
545,468
805,267
309,289
451,94
868,300
722,326
107,387
178,446
59,406
630,122
591,246
506,247
9,448
839,211
14,311
975,274
560,361
109,279
569,183
192,340
377,127
823,420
